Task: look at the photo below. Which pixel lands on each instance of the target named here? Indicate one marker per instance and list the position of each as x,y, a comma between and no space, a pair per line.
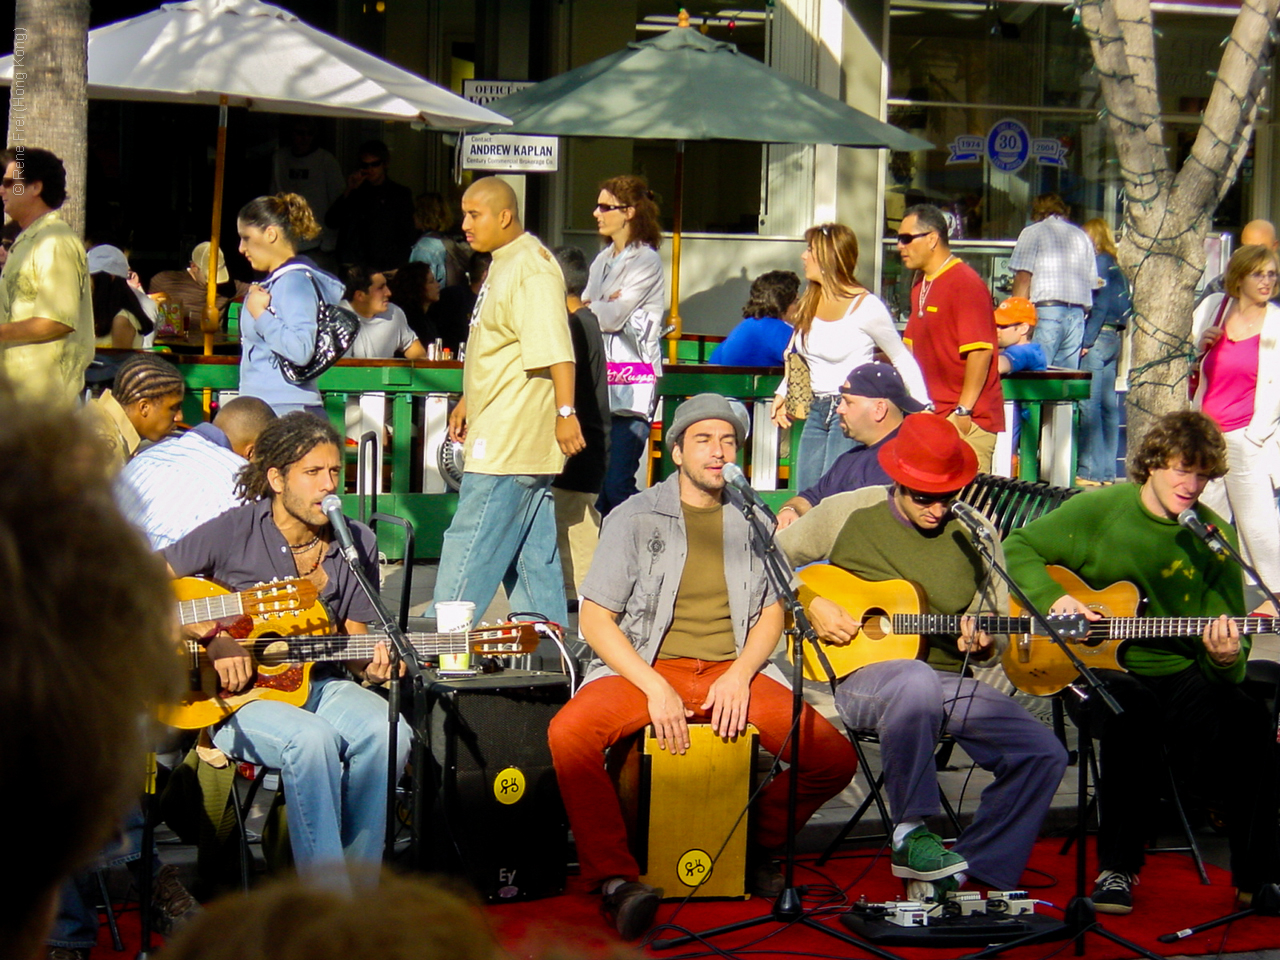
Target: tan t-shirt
46,275
702,624
519,328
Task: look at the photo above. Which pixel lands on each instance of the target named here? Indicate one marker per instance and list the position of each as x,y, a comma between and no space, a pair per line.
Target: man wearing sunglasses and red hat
905,532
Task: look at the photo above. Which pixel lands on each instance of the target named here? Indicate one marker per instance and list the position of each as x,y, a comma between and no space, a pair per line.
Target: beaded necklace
927,284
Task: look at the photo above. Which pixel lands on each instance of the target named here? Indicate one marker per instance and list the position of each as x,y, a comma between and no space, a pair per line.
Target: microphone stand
1222,546
401,651
787,907
1080,917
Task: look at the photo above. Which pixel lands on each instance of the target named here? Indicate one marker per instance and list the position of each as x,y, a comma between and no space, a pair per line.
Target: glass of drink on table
455,616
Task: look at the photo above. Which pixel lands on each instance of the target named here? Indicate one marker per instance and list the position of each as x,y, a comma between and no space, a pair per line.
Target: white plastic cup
455,616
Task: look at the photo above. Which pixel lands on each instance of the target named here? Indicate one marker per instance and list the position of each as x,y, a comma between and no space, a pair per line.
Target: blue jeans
909,704
76,924
628,441
332,757
1100,414
1060,330
504,532
821,442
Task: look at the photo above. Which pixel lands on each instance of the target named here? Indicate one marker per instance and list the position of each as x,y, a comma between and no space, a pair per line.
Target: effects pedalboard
964,918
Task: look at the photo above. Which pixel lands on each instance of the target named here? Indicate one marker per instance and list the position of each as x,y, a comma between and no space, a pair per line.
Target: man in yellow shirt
516,418
46,307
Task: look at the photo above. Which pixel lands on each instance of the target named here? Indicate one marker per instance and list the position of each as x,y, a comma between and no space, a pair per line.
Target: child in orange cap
1015,322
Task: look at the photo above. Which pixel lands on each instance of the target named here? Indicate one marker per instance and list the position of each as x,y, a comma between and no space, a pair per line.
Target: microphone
332,507
1206,532
971,517
734,476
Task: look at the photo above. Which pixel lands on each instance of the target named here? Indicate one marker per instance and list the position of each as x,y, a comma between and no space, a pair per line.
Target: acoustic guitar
240,613
282,663
1037,665
893,619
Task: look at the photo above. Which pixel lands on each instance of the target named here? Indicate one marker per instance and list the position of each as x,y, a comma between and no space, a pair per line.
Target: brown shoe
172,905
632,908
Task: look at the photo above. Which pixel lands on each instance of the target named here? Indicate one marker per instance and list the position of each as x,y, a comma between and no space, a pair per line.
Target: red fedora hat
929,455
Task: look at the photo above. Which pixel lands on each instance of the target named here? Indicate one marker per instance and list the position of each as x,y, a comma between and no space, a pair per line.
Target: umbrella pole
673,339
210,323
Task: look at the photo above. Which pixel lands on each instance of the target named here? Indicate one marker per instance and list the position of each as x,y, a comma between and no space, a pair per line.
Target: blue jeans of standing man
821,441
504,532
332,757
628,441
909,704
1060,330
1100,414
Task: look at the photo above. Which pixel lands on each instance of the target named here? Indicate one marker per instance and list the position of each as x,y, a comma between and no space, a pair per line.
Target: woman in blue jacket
279,319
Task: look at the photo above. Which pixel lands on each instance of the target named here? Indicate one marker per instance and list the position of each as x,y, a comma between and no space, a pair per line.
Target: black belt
1057,303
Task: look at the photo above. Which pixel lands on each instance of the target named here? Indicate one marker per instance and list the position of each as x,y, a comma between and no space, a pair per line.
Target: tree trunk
48,107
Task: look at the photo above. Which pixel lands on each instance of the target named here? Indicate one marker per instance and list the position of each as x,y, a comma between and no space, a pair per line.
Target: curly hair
772,294
1182,437
287,212
88,645
282,444
146,376
634,192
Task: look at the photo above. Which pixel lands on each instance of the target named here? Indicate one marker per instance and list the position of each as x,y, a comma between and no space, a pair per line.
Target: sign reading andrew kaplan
505,151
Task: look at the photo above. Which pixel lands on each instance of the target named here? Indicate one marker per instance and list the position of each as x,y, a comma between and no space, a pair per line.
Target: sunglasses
370,164
929,499
8,182
610,207
906,238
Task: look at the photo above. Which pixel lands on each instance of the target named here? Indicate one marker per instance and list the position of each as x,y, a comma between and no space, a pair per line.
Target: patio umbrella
680,86
250,54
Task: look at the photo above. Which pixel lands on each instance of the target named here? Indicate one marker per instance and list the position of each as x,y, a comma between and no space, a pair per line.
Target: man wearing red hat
904,532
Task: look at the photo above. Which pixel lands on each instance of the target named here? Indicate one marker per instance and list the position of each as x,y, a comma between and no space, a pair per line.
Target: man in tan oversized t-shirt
516,419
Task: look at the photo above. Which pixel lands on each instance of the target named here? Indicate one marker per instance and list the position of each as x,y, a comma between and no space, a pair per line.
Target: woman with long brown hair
627,293
279,319
1099,354
839,325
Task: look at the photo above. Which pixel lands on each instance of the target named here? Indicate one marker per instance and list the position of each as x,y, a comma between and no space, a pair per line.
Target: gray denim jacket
640,559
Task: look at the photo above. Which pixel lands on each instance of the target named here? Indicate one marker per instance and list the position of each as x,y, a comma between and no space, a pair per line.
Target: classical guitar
893,620
242,613
282,664
1037,665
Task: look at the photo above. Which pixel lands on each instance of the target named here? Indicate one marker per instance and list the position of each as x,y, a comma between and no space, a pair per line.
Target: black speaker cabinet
489,808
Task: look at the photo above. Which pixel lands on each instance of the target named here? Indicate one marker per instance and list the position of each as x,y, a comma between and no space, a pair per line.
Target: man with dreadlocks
331,751
142,404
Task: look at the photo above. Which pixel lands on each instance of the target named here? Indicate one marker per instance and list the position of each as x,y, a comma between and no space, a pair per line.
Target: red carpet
1170,897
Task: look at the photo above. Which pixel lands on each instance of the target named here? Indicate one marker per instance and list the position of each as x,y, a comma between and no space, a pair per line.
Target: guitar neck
931,623
360,646
219,607
1148,628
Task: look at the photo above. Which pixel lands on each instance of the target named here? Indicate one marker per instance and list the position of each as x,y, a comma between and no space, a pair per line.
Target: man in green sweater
1180,692
905,532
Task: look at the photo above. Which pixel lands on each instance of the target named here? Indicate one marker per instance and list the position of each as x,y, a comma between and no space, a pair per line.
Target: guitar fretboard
217,607
360,646
930,623
1145,628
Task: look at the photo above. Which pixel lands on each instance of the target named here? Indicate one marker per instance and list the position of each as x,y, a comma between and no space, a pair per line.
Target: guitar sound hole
876,625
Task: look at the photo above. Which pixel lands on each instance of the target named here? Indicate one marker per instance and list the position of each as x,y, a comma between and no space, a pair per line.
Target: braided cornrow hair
146,376
282,444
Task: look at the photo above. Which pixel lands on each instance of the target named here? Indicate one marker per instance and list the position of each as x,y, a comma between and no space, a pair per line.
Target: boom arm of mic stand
401,649
1236,556
981,540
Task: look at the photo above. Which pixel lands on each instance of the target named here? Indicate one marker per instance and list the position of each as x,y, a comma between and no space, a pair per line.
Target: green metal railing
403,381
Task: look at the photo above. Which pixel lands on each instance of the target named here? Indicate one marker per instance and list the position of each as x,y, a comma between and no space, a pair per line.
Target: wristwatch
565,412
962,411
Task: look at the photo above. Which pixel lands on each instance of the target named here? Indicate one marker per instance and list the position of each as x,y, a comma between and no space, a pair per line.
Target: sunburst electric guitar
1037,665
284,649
893,619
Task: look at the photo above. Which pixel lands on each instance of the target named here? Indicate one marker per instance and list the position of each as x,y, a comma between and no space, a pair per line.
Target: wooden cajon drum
683,808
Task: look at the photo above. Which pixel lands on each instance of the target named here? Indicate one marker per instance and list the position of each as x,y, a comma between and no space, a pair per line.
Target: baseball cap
1015,310
105,258
881,381
200,257
708,406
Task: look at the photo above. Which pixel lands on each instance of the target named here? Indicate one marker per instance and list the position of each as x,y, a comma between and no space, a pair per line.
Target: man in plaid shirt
1055,267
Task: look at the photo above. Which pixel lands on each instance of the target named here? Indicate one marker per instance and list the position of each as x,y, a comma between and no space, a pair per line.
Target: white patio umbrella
249,54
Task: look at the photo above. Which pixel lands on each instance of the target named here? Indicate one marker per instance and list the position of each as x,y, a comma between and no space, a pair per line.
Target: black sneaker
632,908
1113,892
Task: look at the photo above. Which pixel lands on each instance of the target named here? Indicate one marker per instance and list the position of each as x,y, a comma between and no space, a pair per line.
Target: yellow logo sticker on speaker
508,786
693,867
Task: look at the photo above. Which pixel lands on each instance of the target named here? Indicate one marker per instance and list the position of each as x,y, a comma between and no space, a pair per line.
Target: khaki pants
578,531
982,441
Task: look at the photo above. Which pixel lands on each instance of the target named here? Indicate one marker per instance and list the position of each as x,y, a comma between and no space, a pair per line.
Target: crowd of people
678,607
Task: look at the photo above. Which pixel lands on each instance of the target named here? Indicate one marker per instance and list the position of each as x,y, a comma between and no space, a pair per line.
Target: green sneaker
923,857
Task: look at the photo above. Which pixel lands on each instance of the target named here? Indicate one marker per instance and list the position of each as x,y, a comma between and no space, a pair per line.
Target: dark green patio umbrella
683,86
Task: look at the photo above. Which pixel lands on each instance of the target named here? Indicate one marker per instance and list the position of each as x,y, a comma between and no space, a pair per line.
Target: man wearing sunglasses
904,532
374,216
952,332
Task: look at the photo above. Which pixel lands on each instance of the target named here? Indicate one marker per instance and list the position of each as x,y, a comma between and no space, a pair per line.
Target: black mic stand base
1080,918
1266,903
